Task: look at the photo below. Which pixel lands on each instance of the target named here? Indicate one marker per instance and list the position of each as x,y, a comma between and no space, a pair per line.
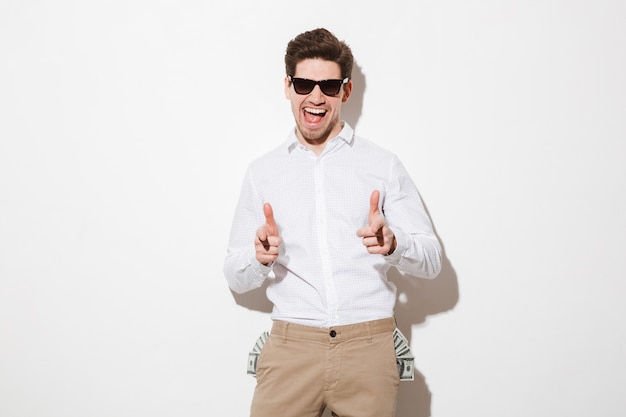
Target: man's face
317,115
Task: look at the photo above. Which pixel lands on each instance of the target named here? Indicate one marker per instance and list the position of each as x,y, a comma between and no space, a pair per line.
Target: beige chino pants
349,369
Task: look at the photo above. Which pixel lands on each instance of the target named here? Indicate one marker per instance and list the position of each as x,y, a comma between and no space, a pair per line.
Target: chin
315,135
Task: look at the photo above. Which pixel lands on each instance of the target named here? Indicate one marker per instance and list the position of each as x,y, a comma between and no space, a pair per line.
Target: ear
287,88
347,90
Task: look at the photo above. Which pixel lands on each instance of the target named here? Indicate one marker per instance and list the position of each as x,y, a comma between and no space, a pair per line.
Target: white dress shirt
324,275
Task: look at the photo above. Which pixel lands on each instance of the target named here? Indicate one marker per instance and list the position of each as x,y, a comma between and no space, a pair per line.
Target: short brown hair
318,43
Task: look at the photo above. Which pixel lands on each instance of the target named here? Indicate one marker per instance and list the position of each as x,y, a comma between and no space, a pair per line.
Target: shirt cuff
261,271
394,258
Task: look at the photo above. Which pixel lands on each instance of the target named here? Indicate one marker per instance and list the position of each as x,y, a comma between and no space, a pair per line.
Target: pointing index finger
272,229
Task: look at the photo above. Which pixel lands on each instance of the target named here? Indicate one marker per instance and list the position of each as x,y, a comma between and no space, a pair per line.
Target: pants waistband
335,333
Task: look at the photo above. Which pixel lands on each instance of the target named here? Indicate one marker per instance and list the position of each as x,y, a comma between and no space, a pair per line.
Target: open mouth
313,115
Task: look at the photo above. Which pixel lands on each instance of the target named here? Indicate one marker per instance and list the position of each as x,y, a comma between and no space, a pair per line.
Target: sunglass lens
330,87
303,86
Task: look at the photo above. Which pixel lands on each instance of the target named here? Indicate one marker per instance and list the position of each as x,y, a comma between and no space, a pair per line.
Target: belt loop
369,332
286,325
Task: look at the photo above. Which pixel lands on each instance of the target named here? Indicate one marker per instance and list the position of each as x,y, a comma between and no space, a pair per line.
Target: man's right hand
267,239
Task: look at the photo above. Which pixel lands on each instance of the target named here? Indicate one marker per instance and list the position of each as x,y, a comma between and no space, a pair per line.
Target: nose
317,96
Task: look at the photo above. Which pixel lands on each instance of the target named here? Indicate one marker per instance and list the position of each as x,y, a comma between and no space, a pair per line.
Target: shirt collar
346,134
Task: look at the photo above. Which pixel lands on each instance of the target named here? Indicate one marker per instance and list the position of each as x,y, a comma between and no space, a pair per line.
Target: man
327,212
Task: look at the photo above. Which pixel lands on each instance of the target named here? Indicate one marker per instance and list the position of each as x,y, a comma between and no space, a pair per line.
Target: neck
317,145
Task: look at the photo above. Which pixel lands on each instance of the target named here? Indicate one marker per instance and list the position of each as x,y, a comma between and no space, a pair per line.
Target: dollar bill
405,368
404,358
253,356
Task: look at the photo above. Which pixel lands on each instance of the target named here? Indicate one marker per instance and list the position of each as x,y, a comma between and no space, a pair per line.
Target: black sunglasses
328,87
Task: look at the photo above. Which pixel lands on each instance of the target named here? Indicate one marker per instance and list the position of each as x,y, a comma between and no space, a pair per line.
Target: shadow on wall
351,111
416,298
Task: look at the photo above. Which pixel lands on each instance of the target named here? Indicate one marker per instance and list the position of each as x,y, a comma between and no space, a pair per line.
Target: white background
125,129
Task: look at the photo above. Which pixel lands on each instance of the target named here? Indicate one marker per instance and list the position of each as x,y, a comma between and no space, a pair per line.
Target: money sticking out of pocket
404,358
253,356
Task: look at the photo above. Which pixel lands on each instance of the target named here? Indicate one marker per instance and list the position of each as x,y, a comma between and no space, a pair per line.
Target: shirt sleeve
418,250
242,270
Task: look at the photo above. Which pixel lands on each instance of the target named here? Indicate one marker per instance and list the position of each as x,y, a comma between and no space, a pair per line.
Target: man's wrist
394,244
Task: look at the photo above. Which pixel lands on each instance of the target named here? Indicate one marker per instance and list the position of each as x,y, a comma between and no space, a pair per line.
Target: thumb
272,229
374,198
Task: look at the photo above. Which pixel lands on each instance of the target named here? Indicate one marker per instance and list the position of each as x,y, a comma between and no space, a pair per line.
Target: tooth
315,111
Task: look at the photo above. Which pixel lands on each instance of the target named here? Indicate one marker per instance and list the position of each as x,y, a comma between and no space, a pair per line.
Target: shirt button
333,333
